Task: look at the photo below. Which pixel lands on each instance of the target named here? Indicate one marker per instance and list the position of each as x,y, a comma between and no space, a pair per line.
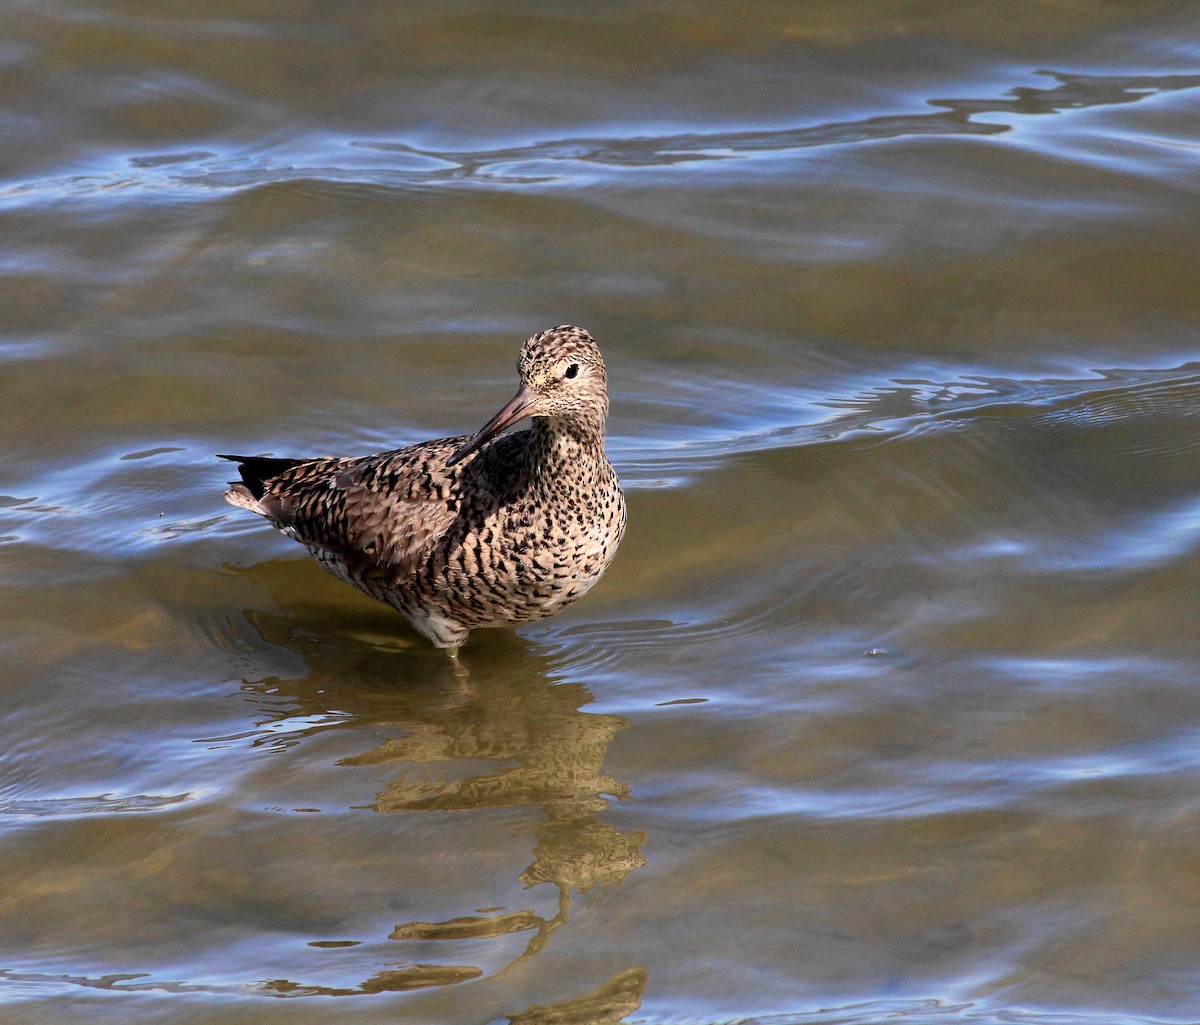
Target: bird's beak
517,408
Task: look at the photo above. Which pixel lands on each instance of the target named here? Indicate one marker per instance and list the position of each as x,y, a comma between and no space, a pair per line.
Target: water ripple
570,161
761,417
930,1012
103,804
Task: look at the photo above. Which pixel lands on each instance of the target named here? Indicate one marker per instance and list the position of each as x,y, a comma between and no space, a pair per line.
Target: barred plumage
467,532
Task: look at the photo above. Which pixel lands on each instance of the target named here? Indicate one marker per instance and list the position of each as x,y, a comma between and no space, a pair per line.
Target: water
888,709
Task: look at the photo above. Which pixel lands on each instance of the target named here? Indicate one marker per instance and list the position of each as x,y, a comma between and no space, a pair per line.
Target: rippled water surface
889,709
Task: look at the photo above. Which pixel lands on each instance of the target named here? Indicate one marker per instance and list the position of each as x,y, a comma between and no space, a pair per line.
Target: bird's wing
380,514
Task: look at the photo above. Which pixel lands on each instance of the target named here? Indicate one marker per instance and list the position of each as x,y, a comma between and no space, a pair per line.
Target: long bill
517,408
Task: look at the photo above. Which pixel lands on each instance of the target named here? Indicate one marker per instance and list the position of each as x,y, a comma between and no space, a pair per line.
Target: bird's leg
461,673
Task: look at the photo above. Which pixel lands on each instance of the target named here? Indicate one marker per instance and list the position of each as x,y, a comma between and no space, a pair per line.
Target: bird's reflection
609,1004
512,712
559,754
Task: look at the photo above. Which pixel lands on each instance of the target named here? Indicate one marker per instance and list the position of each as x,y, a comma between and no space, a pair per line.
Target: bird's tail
255,472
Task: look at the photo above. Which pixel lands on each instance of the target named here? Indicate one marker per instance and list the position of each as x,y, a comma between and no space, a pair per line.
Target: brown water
889,709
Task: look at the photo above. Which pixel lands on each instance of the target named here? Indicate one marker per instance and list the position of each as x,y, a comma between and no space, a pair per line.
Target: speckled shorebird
472,531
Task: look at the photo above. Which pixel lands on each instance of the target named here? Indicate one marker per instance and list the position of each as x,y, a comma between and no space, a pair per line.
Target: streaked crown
564,366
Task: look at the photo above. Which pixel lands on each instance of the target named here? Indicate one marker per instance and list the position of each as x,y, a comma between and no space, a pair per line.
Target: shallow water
889,709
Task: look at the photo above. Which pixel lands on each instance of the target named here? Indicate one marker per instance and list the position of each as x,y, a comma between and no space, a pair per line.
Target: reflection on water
898,663
401,980
552,756
607,1005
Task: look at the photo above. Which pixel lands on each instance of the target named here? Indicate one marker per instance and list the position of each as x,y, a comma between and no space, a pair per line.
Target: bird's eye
571,372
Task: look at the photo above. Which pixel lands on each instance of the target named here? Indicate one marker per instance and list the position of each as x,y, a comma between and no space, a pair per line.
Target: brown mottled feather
516,531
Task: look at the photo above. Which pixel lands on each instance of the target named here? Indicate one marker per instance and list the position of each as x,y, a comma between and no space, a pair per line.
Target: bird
480,530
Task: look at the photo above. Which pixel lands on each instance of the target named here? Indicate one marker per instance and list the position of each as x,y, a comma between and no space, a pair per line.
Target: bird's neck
561,444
